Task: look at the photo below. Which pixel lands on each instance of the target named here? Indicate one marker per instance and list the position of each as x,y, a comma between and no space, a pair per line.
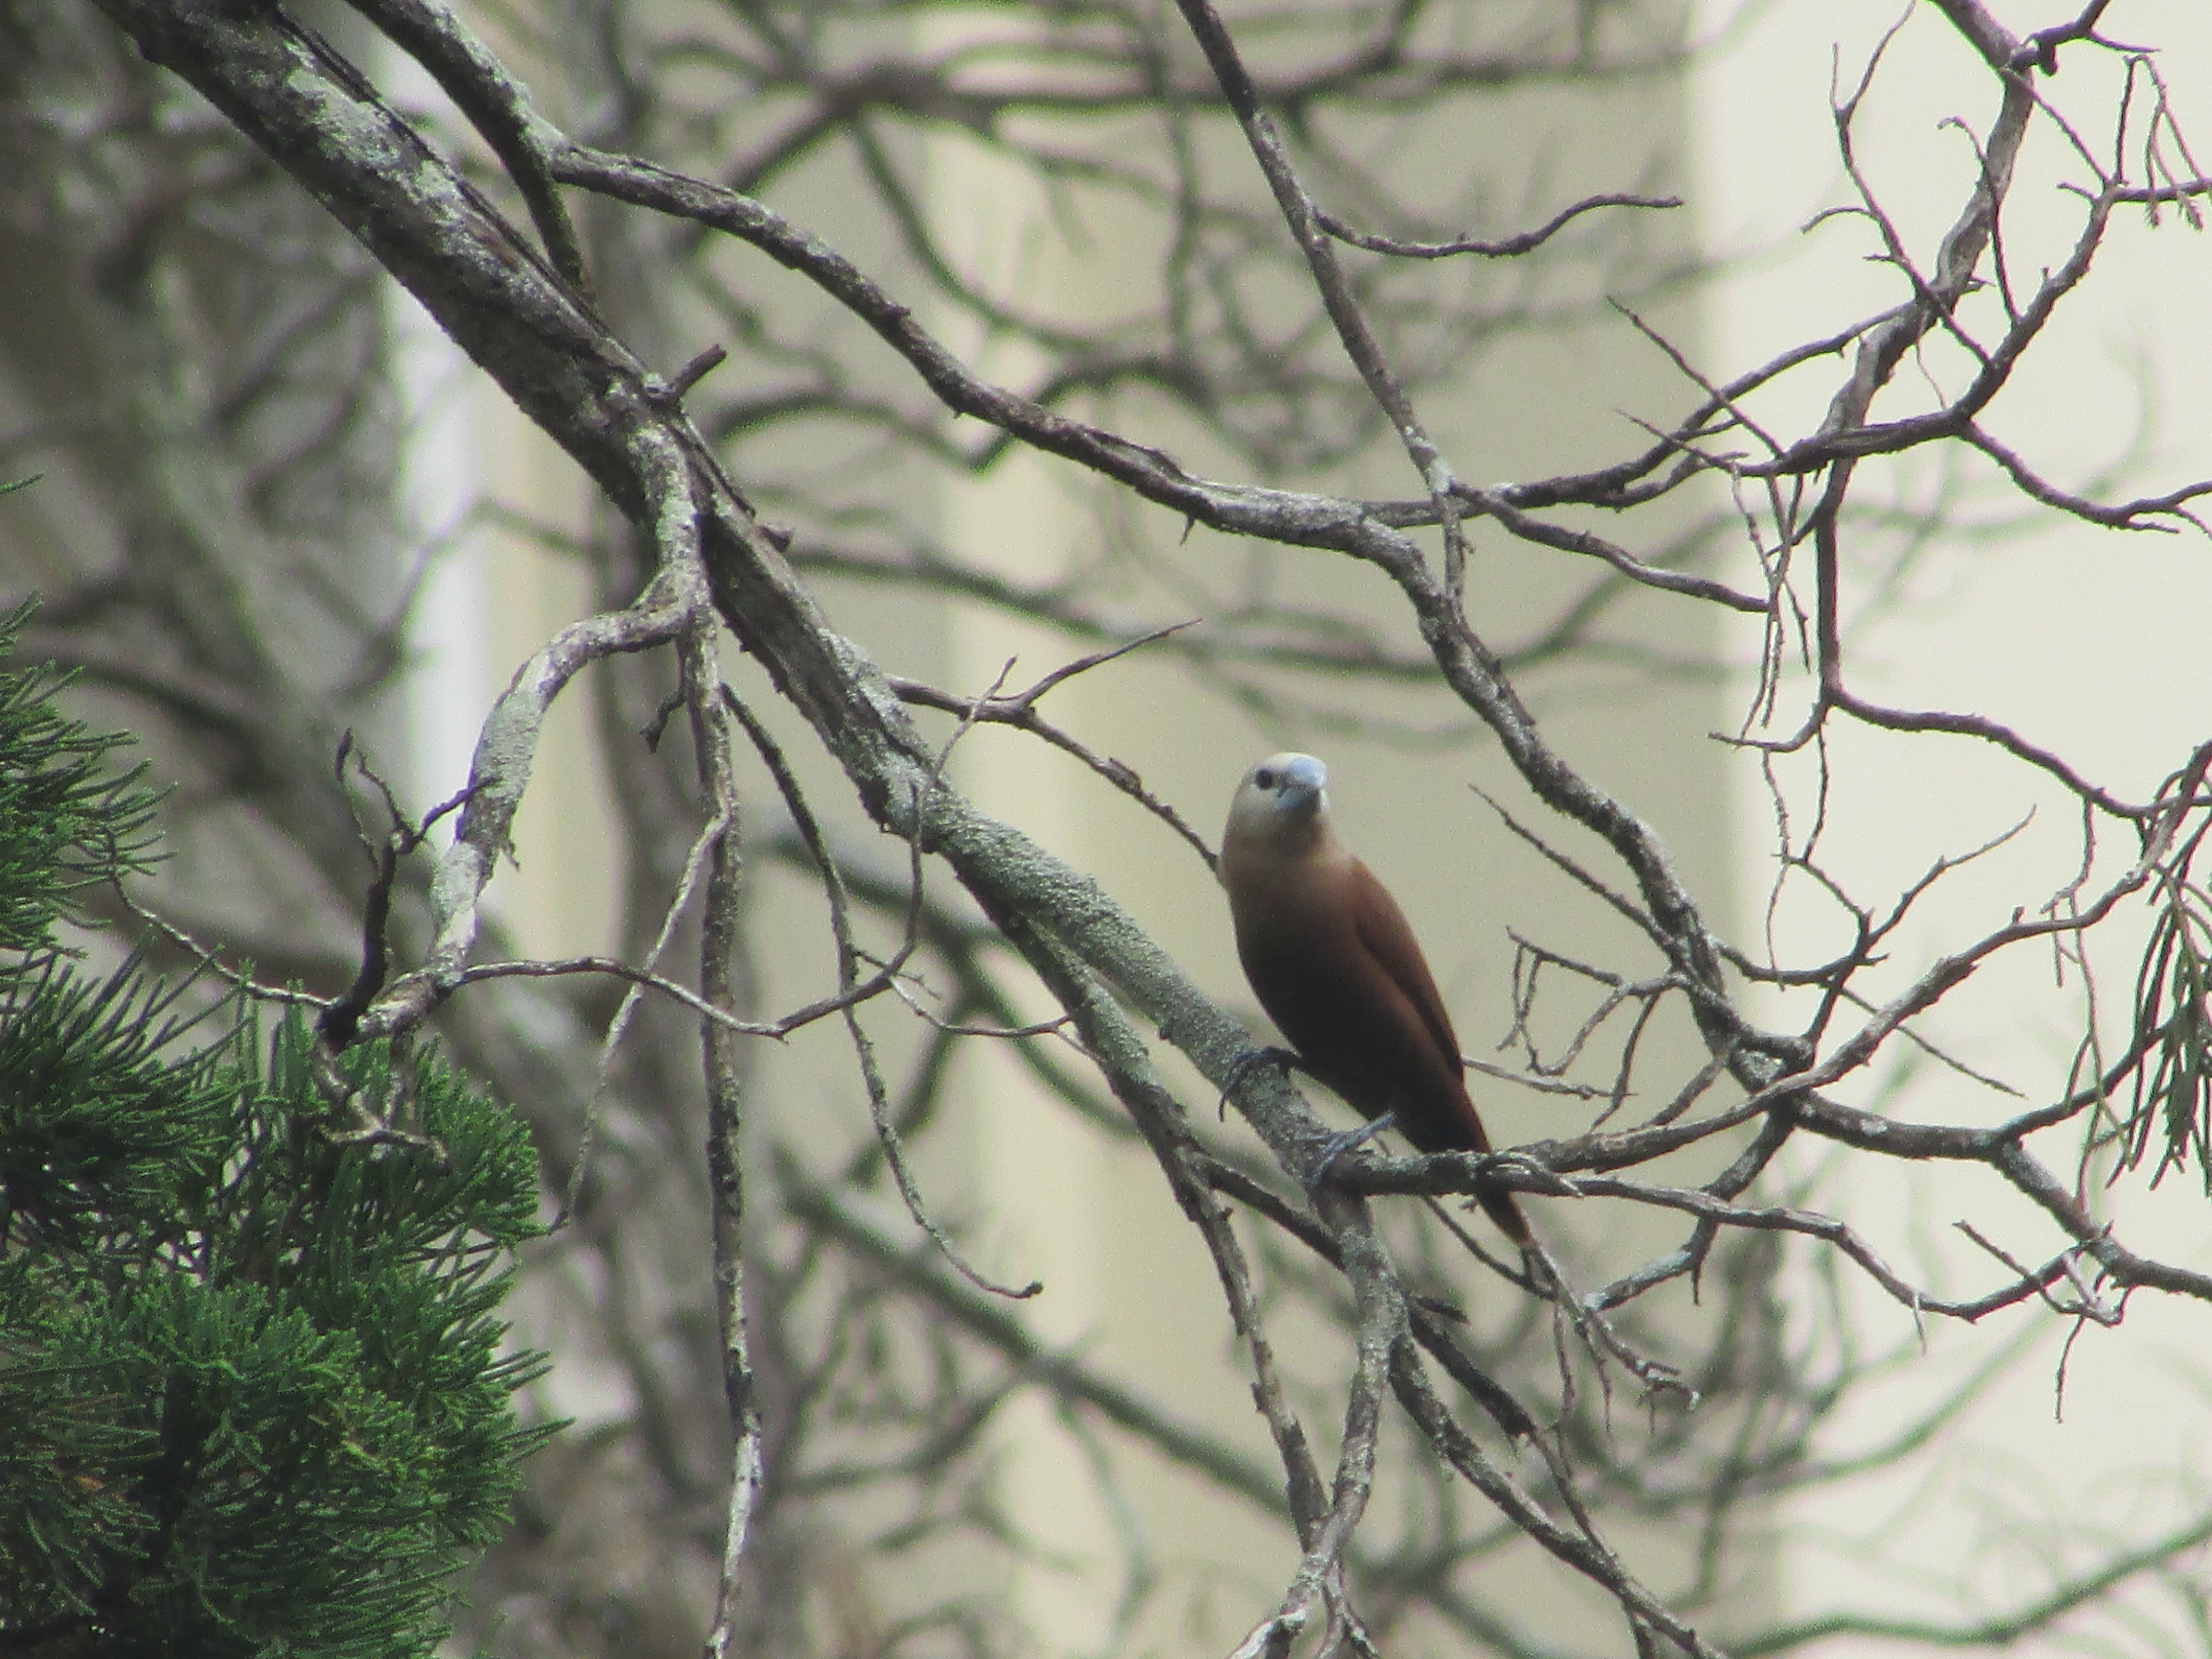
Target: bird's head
1283,802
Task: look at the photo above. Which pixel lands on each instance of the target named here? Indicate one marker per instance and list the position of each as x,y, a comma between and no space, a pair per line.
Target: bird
1334,963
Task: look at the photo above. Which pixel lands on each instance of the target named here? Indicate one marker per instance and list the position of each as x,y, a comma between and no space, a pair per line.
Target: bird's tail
1497,1204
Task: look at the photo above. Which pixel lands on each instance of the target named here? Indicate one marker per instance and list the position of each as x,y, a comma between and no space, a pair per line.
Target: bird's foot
1286,1060
1337,1146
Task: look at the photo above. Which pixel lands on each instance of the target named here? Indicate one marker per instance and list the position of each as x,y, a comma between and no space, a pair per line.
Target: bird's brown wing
1438,1111
1389,937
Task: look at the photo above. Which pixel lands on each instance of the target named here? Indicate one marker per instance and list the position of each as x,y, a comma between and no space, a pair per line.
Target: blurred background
275,505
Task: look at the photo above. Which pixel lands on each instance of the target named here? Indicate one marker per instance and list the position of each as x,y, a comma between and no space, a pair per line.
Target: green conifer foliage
253,1394
67,820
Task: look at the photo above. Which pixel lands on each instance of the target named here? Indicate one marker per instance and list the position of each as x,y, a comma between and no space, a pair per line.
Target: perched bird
1335,964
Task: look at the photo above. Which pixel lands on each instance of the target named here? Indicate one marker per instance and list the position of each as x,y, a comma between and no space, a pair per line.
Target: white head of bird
1282,804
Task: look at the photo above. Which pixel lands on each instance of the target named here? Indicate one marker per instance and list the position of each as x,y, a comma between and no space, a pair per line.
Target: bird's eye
1265,778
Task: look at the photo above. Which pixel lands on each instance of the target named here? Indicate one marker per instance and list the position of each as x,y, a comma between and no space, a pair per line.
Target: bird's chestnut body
1334,963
